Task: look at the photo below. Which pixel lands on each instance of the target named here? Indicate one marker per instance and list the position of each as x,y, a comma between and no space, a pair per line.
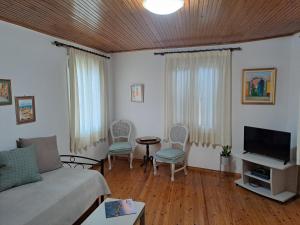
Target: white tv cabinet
282,184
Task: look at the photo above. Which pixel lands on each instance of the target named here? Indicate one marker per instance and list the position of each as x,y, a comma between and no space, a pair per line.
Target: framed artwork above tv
259,86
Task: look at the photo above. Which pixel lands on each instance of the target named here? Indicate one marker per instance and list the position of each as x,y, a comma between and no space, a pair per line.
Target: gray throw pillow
46,151
18,168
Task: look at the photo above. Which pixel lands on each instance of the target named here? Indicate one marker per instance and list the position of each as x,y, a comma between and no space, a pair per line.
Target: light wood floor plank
202,197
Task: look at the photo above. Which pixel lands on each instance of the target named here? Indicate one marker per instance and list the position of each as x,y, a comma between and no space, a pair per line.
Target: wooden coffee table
98,216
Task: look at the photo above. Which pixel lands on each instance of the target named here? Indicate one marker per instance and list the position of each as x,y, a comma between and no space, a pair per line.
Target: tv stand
282,184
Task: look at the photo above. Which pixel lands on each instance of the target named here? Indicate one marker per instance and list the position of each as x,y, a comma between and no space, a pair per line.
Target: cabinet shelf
282,197
282,184
248,173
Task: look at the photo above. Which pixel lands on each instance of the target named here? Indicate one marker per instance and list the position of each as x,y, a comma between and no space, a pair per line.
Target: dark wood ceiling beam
124,25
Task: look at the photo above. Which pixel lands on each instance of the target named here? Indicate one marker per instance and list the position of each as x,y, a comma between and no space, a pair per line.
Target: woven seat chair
176,153
120,133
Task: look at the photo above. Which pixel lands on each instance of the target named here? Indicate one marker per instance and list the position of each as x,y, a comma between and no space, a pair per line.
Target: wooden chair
120,133
176,153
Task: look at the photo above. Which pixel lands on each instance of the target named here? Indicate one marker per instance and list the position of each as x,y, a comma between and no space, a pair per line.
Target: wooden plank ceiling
124,25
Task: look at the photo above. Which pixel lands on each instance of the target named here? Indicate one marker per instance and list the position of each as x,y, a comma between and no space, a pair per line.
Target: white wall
139,67
294,90
144,67
38,68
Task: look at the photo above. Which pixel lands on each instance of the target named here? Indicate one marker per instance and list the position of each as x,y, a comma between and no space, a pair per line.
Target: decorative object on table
259,86
119,208
25,109
120,132
5,92
137,93
176,153
150,140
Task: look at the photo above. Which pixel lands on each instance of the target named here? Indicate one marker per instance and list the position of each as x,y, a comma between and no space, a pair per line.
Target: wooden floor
202,197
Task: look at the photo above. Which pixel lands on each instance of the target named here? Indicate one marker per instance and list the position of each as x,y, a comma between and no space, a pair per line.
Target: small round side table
147,141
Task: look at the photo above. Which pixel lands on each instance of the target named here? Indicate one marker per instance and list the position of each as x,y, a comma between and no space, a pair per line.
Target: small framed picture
25,109
5,92
259,86
137,93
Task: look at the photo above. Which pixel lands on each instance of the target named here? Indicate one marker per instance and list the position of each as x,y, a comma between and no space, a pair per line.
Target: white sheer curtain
198,94
87,99
298,139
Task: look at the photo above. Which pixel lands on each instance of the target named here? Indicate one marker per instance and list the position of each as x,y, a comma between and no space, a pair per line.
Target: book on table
148,138
119,208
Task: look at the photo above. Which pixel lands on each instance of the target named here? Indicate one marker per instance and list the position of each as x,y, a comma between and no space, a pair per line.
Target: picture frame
5,92
137,93
259,86
25,109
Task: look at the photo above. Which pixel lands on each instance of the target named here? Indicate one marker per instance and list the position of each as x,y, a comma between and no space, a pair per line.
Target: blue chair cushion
120,147
170,153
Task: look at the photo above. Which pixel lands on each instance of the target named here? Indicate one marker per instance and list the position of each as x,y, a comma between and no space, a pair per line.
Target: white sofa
60,198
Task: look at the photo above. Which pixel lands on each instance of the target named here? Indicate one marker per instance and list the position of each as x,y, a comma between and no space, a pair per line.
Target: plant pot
225,160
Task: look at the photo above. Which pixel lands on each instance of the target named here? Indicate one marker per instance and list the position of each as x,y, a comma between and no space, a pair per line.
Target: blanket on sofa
59,199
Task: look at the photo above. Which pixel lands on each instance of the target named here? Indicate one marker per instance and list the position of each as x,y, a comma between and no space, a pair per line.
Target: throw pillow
46,151
18,168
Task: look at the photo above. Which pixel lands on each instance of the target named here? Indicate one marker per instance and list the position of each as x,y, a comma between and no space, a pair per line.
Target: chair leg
172,171
184,168
154,167
131,158
109,162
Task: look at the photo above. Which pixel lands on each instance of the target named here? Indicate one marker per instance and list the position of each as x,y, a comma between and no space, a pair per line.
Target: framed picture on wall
259,86
137,93
25,109
5,92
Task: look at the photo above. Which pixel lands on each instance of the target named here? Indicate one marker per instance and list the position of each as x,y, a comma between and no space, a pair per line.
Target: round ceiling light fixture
163,7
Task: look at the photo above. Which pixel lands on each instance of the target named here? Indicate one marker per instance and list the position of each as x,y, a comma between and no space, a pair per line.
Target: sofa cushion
46,151
18,168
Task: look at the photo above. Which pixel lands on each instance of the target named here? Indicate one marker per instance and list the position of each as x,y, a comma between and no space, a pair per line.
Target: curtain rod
201,50
59,44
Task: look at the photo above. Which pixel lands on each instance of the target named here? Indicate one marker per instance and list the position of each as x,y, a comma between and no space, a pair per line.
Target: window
87,99
198,95
206,78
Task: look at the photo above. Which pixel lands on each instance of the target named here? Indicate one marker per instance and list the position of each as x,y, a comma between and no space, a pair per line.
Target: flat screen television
275,144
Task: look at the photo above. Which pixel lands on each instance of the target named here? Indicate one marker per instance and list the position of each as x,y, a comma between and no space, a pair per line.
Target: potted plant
225,154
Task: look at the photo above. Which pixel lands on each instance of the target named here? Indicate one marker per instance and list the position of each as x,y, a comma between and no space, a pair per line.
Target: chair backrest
179,135
120,129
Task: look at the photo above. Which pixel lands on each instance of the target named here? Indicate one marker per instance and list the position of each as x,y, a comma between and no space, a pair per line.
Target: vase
225,160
